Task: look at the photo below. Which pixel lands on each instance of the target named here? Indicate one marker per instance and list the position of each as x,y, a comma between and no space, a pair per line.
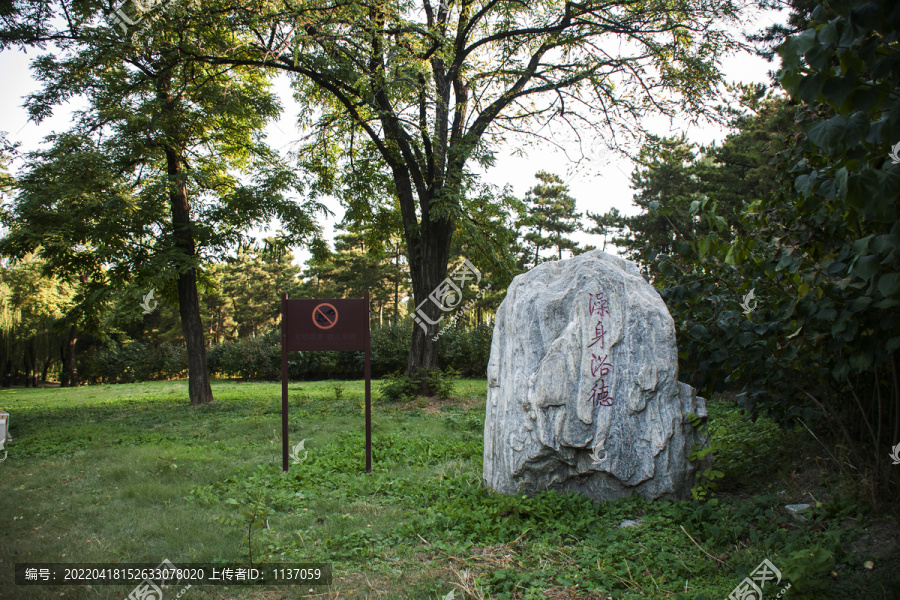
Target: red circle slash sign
324,316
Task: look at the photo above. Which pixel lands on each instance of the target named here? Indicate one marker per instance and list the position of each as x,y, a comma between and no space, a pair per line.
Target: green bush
466,350
401,387
398,387
390,348
462,351
260,358
789,291
440,382
131,361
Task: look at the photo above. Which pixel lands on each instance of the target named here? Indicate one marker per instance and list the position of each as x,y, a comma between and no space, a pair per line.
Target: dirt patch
433,404
573,593
880,539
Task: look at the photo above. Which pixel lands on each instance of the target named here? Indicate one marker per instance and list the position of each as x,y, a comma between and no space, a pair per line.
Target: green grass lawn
131,473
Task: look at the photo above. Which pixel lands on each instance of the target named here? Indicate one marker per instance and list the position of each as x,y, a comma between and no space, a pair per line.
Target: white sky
598,187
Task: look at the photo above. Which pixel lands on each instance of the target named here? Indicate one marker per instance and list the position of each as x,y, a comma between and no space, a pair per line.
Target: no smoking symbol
325,316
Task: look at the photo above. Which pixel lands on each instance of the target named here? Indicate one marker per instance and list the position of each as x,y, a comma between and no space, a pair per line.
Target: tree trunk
63,372
428,249
45,369
428,269
396,285
70,369
27,364
34,366
199,389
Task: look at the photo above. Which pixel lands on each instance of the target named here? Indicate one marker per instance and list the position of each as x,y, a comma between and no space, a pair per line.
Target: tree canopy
422,91
166,166
787,284
400,100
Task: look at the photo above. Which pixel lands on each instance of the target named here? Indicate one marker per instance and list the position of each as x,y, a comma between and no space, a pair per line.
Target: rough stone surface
583,390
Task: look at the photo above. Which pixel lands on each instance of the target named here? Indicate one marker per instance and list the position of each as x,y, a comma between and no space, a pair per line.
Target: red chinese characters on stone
599,335
600,394
600,364
598,307
598,303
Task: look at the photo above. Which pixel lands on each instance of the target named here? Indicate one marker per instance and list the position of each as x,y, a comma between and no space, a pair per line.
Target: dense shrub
398,387
132,361
325,365
260,358
463,350
440,382
250,358
390,348
796,303
466,350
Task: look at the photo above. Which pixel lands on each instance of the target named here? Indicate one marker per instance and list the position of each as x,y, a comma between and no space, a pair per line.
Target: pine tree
551,216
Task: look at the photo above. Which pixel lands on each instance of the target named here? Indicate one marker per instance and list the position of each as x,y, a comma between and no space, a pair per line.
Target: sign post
325,324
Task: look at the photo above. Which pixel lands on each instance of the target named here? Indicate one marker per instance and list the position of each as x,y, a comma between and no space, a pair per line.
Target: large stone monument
583,390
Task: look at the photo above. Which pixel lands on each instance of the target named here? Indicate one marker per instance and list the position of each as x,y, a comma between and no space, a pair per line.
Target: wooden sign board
324,324
327,324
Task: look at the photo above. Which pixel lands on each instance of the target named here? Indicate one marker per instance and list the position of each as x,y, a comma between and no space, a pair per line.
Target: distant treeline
259,358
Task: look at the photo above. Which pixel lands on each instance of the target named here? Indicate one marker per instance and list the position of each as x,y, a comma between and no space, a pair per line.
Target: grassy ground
131,473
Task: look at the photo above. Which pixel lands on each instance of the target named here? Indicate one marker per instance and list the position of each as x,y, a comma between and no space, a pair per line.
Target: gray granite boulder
583,390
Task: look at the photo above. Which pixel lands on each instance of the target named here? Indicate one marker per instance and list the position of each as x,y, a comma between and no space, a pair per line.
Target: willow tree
31,306
165,168
435,88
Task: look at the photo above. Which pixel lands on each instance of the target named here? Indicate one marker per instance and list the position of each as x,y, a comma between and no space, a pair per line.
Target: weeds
139,474
254,512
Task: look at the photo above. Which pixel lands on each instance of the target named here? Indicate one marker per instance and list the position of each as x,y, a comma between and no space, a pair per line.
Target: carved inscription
598,308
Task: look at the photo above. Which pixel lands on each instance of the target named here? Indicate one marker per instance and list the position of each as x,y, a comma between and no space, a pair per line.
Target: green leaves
807,568
703,246
827,134
866,267
818,249
834,89
889,284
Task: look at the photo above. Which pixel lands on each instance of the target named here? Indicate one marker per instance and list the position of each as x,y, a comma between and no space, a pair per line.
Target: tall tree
835,218
430,88
355,267
488,237
167,163
7,151
216,305
665,184
768,39
550,216
676,177
251,284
